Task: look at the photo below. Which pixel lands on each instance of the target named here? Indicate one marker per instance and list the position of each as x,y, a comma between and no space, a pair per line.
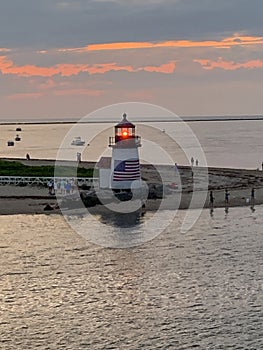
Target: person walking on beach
192,161
226,196
211,198
196,162
27,156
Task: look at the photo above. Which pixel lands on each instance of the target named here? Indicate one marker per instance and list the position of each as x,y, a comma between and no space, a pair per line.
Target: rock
48,207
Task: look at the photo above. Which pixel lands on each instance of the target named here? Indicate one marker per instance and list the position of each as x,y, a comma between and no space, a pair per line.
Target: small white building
104,167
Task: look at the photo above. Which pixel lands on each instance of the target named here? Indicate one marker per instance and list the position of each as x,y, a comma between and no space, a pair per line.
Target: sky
65,59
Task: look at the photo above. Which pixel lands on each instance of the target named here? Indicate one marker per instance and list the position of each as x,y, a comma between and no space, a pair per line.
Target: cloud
7,66
229,65
167,68
228,42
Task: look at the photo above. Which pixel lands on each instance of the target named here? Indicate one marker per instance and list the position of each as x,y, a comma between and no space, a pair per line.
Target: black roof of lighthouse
125,123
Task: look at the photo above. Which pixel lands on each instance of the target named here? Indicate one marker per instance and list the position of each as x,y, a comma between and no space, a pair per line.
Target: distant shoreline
189,119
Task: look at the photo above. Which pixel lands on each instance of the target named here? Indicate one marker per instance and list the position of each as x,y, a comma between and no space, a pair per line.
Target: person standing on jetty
55,187
226,196
252,194
79,157
68,187
50,185
211,198
62,186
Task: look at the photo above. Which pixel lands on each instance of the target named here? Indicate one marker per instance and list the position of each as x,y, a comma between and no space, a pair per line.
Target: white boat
77,141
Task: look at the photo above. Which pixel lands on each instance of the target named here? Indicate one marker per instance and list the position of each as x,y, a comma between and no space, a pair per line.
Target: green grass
18,169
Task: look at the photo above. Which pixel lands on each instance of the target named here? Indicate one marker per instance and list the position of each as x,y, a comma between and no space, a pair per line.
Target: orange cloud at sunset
167,68
228,42
229,65
7,66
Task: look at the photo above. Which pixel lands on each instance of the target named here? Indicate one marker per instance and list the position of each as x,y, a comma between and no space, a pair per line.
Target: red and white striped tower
125,164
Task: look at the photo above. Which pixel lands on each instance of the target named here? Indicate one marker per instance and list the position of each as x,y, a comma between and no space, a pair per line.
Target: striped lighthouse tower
125,164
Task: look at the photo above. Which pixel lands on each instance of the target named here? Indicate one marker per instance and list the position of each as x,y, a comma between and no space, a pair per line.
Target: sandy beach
21,204
239,182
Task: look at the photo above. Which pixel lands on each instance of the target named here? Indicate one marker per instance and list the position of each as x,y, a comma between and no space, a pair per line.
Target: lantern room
124,134
124,130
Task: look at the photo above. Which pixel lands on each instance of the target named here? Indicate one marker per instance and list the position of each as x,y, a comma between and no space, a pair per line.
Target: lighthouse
125,164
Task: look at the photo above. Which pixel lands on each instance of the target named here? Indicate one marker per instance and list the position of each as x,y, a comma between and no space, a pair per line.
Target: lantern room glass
122,130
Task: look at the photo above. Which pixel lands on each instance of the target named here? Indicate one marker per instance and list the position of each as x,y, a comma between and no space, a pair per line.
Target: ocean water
235,144
201,290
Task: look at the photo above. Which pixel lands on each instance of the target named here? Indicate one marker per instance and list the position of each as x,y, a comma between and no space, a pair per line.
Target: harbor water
233,144
202,289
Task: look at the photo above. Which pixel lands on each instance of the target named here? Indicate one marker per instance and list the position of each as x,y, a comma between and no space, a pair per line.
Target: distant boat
18,138
163,130
10,143
18,129
77,141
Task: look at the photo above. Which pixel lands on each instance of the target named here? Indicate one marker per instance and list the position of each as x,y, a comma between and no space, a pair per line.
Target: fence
39,180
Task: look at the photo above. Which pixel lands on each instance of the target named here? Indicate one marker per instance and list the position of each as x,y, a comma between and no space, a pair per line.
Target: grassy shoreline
16,168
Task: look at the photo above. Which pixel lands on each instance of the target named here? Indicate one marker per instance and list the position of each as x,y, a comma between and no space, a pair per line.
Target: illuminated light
124,134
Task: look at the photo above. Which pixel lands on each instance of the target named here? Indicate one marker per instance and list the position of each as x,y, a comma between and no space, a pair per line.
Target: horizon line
189,118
